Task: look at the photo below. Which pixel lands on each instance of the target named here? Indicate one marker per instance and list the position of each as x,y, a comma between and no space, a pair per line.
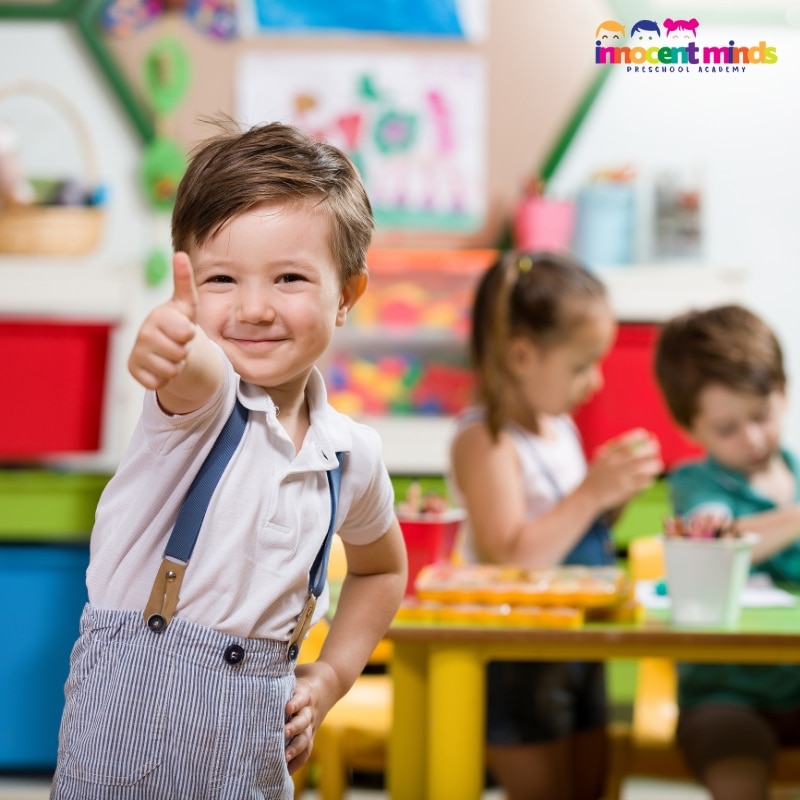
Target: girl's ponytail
494,367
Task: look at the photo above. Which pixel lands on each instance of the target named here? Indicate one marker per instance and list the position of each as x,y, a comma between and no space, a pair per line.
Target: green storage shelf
48,506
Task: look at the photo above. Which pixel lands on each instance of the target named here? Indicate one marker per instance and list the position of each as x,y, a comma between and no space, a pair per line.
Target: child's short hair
727,345
538,295
236,170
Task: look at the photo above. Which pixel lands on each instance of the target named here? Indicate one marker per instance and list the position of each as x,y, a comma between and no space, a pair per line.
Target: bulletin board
413,125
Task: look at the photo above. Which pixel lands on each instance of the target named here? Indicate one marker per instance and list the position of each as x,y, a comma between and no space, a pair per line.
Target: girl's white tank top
552,467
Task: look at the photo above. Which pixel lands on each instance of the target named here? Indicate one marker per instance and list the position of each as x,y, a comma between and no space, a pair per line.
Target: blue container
42,594
605,224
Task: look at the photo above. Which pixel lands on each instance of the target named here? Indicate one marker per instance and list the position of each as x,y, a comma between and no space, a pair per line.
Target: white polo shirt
248,574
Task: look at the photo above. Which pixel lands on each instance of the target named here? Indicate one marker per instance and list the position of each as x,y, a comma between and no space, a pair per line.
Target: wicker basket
53,230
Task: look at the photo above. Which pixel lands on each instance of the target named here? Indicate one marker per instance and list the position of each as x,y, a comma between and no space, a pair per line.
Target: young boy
721,373
271,231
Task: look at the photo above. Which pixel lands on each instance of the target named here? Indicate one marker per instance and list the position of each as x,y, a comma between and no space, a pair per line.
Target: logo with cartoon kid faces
671,46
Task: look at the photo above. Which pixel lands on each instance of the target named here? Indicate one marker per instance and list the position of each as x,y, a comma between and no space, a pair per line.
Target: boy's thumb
185,291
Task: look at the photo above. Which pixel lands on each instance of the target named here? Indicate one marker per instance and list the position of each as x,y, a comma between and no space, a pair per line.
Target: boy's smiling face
740,430
269,292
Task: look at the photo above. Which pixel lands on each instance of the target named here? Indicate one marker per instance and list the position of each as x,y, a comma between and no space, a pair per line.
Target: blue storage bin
42,593
605,224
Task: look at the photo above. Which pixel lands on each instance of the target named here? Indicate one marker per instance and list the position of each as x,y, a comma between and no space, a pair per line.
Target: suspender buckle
301,629
164,595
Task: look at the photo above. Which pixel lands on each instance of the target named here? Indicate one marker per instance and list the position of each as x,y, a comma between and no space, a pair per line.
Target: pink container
429,538
541,223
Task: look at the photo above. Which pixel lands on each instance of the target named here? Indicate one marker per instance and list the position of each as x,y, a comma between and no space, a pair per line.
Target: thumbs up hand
164,341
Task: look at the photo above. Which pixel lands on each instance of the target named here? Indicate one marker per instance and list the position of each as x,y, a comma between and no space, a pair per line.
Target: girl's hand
311,701
163,342
623,467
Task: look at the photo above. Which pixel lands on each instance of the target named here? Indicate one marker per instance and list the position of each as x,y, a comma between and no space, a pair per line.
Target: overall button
234,654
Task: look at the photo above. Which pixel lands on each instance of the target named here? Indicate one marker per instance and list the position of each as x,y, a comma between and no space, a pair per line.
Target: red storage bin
631,398
54,376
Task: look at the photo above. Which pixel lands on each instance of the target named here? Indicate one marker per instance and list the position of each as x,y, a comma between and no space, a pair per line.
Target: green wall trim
60,9
88,22
573,125
86,16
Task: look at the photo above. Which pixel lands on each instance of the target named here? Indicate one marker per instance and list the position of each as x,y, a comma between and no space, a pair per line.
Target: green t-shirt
710,486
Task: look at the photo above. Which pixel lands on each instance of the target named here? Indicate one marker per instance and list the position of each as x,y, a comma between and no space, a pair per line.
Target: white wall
740,131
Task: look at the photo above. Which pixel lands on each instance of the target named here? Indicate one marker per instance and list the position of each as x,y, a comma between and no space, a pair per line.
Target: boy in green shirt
721,373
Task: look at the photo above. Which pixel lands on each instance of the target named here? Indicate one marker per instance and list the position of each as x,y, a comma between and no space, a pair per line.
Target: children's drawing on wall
453,19
413,125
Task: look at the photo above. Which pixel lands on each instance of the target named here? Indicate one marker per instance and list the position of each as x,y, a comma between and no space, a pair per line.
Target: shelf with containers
56,370
401,363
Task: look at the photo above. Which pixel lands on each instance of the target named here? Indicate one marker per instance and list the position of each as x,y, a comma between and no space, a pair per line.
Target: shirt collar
328,433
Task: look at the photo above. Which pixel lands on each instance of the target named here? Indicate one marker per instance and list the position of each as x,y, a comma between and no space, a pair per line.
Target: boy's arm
692,492
171,354
370,596
777,529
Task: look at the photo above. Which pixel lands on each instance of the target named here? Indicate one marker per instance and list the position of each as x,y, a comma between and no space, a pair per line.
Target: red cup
429,538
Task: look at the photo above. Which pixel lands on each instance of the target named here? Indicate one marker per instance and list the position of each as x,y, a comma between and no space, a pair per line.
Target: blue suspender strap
164,595
190,517
319,569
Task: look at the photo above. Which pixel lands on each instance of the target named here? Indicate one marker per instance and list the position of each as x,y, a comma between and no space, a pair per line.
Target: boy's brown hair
727,345
236,170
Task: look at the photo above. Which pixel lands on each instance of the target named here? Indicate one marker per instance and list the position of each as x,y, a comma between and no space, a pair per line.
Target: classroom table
437,738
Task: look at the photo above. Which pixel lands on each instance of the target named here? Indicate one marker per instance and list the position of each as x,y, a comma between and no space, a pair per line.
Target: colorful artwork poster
402,17
414,125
